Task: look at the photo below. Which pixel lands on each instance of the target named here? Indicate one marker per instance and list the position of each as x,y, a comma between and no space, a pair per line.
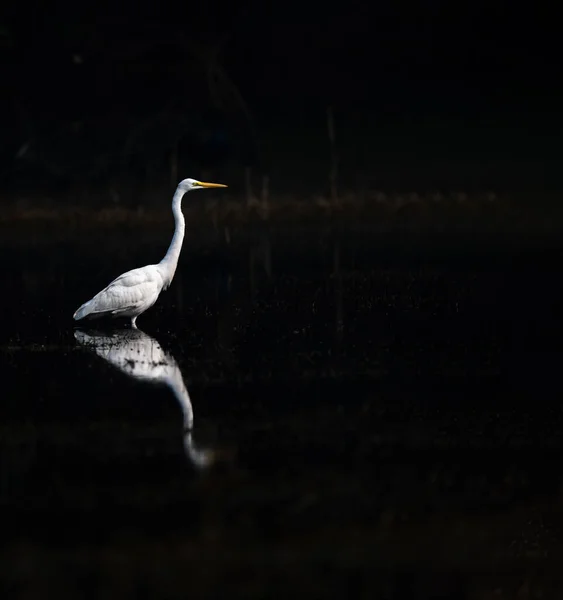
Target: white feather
132,293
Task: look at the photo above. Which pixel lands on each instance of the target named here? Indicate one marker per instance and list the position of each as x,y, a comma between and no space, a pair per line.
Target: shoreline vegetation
486,212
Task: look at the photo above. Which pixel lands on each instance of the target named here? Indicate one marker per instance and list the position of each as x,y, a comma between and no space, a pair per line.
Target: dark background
425,95
377,382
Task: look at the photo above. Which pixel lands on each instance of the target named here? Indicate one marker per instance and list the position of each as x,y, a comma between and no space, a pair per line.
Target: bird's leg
133,324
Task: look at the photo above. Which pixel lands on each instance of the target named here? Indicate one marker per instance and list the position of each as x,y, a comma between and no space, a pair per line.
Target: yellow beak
210,185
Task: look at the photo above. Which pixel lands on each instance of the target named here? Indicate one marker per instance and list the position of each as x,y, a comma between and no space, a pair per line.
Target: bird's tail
83,311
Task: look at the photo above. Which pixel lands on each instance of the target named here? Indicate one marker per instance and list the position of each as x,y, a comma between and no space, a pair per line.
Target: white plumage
134,292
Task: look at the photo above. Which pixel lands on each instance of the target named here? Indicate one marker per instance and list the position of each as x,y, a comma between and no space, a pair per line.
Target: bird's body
135,291
129,295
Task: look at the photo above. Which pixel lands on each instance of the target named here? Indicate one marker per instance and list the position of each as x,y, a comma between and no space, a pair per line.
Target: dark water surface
371,418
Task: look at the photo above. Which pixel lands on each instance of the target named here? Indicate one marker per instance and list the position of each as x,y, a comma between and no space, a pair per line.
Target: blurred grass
412,210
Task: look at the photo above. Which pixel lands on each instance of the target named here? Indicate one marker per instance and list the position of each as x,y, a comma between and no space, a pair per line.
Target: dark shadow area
416,111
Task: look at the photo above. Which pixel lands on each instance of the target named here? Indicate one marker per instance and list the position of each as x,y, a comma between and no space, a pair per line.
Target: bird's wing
126,292
133,278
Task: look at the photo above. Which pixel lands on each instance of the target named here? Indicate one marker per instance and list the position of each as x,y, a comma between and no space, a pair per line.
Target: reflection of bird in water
133,292
141,357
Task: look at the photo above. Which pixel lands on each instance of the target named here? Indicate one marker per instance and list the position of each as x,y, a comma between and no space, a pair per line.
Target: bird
135,291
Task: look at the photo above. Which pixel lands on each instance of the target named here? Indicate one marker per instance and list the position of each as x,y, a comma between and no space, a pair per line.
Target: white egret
132,293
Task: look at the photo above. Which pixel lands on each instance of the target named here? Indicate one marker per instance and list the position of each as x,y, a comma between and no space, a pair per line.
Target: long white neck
169,263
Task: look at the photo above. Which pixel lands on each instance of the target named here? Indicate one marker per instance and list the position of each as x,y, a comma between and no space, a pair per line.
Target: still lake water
372,417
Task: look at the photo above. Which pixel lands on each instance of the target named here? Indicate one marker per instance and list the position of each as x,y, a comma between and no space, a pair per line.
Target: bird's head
187,185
